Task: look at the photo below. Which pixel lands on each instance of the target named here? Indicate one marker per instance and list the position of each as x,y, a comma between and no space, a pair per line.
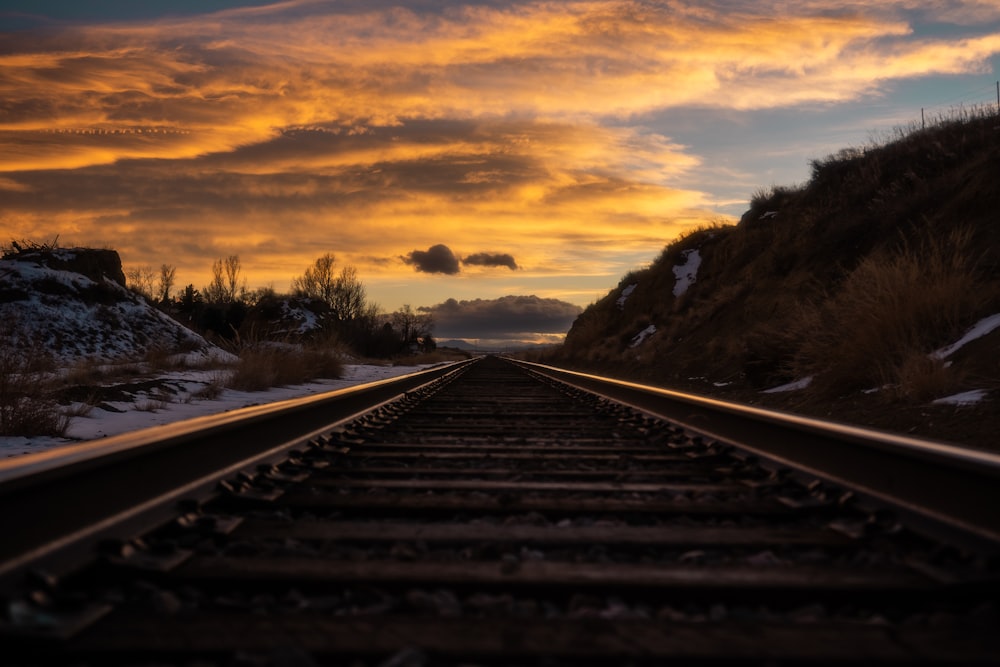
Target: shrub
84,372
213,388
889,308
920,377
83,407
26,408
264,365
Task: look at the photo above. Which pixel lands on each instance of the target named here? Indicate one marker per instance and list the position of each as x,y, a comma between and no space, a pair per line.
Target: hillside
849,286
71,304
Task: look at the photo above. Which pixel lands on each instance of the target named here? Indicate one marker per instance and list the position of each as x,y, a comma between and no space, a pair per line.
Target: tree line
227,310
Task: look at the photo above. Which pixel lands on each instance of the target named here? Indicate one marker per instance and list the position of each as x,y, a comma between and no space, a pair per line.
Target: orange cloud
285,131
239,77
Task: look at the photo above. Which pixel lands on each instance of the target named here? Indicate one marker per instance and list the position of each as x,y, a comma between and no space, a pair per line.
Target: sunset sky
458,154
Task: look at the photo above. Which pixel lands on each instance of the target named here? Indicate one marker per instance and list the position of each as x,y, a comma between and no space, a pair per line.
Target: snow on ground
978,330
73,317
641,337
686,274
965,398
158,408
981,328
305,319
791,386
626,293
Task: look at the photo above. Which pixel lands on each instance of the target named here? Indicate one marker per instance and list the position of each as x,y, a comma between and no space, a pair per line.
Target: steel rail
325,555
950,490
58,504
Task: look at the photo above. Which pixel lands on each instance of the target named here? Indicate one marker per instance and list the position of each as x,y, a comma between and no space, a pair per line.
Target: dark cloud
506,318
436,259
491,259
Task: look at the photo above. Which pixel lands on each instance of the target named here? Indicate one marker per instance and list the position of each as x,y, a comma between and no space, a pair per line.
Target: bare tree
410,324
343,291
348,301
236,284
168,273
140,280
228,283
215,291
319,281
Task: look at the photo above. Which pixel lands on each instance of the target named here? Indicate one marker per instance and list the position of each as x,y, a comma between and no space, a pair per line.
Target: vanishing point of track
501,513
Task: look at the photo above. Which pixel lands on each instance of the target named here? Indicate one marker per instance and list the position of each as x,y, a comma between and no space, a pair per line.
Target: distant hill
849,286
461,344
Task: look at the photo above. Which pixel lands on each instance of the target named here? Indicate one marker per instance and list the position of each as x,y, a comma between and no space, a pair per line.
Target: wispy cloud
185,87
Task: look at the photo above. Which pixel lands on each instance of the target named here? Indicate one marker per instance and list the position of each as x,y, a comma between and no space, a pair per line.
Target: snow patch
73,317
965,398
791,386
626,293
306,319
686,274
981,328
180,401
641,337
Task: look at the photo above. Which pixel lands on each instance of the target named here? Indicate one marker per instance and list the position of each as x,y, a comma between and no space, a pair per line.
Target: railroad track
490,513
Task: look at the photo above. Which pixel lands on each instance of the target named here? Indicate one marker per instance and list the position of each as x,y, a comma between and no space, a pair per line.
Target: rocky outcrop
71,305
96,264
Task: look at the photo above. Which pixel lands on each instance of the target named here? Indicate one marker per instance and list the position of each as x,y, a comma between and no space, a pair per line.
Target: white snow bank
641,337
71,317
978,330
965,398
626,293
686,274
154,410
791,386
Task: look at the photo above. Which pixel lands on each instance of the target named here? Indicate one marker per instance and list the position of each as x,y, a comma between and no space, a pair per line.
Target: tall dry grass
265,365
891,311
26,405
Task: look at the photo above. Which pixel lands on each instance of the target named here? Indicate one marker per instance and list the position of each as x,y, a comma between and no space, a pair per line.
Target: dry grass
26,405
158,358
150,405
891,309
161,358
920,378
84,372
83,408
213,388
262,366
